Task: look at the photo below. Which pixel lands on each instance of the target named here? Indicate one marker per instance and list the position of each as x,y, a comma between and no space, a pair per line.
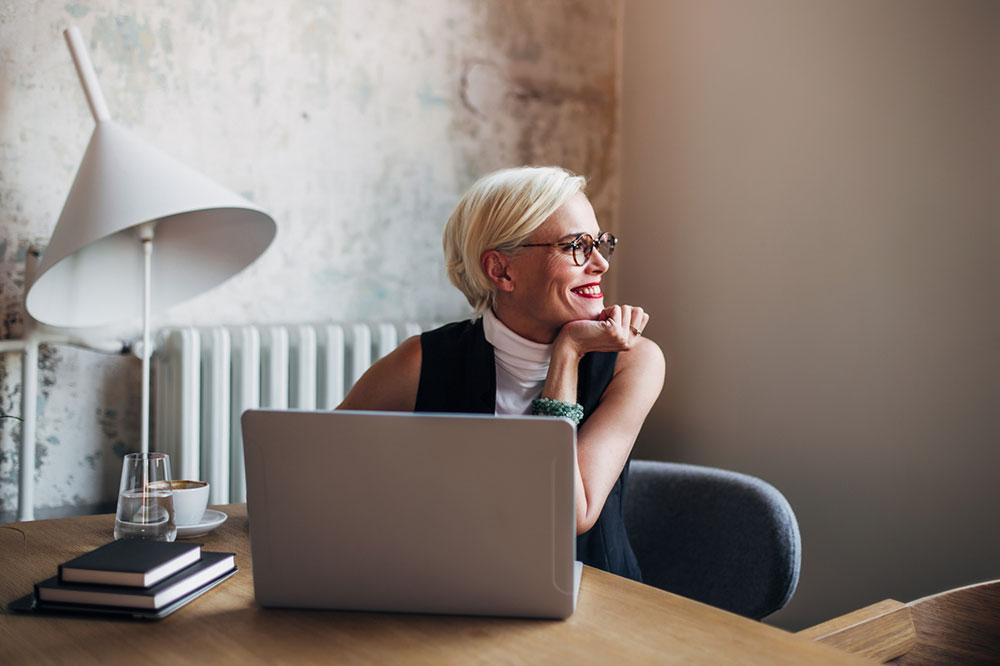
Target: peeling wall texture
356,124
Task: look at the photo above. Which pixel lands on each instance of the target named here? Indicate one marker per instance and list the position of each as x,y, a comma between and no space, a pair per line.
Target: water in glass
145,499
146,515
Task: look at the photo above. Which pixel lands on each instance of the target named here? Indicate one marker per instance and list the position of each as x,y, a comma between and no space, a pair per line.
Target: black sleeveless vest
458,375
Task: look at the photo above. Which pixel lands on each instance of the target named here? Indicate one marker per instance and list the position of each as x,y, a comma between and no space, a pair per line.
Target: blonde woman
524,247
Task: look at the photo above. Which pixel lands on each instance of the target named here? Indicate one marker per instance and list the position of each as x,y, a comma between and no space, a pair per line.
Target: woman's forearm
561,384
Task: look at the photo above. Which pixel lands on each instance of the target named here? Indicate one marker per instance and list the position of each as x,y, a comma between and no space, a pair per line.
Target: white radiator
204,379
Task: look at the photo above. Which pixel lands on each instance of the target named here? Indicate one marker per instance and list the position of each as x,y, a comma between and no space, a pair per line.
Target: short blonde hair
499,212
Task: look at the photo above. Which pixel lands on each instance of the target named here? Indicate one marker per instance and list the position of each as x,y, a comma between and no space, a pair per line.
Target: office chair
726,539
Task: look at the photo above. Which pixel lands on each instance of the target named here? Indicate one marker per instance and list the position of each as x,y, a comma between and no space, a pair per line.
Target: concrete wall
357,124
809,197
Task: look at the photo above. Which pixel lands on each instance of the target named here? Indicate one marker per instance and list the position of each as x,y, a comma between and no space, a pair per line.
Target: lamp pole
146,236
88,78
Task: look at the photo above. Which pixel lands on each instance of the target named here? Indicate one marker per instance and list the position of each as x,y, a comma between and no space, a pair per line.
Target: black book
29,604
130,563
210,567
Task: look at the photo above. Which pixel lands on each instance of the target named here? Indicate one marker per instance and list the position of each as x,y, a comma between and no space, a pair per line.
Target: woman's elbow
584,521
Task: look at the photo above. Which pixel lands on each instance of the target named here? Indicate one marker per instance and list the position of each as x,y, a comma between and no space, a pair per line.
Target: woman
524,247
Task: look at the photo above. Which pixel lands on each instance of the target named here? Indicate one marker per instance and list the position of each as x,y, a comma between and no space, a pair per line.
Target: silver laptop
425,513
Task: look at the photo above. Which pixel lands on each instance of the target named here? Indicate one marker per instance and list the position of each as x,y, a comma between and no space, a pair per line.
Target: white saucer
208,522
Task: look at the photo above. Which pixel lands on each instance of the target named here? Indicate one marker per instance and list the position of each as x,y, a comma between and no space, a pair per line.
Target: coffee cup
190,500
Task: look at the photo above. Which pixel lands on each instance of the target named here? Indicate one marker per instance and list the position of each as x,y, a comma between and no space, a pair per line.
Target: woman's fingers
616,328
631,323
634,320
637,321
616,316
626,323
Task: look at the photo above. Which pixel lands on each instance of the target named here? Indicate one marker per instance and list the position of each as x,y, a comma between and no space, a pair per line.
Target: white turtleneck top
522,366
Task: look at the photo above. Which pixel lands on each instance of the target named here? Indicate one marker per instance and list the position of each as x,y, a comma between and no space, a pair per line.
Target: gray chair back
726,539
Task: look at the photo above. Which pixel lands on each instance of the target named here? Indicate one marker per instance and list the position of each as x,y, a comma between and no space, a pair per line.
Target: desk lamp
99,267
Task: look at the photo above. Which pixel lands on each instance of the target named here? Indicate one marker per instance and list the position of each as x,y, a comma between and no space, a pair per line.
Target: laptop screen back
464,514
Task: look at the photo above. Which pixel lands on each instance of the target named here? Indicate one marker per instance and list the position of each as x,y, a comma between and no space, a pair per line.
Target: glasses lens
582,247
606,245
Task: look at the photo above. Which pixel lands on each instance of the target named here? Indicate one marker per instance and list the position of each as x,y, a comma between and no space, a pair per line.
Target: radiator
205,378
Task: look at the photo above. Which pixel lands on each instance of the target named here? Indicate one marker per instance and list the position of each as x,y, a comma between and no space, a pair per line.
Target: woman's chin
591,309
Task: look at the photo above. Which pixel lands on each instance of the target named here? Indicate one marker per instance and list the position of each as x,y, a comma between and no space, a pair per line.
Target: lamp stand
113,191
146,236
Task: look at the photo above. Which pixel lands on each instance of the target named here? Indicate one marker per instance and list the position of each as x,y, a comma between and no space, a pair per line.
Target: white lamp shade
92,271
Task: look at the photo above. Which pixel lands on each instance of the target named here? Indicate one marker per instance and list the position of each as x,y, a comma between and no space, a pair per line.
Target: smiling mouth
588,291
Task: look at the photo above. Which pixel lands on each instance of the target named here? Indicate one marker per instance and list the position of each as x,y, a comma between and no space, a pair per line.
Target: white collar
526,360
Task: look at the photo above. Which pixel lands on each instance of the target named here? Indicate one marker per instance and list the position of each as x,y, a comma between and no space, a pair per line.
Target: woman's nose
596,263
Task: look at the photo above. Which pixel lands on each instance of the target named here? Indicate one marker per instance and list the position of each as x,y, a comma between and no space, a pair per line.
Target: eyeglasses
583,245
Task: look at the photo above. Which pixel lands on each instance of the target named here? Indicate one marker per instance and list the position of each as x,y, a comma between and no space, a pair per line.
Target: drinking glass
145,500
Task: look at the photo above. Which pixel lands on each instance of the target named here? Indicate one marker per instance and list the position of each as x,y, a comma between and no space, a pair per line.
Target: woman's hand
616,329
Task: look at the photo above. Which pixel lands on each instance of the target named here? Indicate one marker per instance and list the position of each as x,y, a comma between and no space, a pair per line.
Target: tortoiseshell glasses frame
583,245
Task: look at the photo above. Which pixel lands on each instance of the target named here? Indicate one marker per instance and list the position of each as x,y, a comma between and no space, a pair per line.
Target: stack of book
148,579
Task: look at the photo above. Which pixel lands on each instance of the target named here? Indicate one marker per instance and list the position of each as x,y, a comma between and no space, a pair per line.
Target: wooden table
616,621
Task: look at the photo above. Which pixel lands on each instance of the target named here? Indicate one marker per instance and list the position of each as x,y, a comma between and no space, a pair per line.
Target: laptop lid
432,513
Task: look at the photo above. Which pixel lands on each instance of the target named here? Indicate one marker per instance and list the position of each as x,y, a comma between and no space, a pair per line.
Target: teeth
590,291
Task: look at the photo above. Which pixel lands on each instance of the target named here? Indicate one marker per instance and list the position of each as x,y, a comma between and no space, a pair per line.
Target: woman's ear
496,266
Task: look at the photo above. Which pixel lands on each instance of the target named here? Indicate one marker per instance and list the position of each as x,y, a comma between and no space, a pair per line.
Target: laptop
422,513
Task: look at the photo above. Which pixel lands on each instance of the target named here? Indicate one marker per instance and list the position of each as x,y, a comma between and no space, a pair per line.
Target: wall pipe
29,401
29,417
33,337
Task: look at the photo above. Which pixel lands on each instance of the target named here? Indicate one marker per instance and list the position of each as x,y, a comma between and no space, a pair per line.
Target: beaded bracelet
549,407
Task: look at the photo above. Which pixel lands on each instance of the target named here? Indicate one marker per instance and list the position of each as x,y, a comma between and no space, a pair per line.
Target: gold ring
635,331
